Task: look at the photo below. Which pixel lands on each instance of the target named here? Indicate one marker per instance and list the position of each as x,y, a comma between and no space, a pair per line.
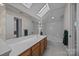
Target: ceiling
56,10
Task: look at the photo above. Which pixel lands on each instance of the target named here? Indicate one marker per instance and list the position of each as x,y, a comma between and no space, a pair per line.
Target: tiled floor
55,49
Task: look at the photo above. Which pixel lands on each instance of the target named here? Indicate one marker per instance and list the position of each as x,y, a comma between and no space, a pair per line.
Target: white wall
54,30
35,28
77,28
2,22
26,22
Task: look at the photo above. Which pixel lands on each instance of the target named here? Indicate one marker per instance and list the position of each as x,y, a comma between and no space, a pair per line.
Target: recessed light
53,17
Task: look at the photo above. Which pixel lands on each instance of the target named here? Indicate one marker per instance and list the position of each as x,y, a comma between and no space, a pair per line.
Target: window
43,11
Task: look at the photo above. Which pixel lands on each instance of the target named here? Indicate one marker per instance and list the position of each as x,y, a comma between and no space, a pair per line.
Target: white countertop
4,47
21,44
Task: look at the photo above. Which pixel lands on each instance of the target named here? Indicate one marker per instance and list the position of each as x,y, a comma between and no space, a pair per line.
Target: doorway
17,27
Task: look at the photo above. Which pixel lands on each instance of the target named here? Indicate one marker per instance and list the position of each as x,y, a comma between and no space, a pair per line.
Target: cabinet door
36,49
42,46
27,53
36,52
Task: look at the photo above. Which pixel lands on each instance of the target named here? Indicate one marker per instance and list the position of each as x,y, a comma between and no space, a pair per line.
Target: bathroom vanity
33,45
37,49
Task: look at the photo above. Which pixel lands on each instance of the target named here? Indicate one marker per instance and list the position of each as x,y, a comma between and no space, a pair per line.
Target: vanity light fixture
44,10
28,5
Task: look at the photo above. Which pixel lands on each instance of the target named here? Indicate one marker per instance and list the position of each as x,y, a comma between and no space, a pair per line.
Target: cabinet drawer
26,53
35,46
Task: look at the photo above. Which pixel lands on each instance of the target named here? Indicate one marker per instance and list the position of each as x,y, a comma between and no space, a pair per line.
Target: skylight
43,11
28,5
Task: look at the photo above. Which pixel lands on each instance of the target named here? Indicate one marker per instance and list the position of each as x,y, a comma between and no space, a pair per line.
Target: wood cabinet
42,46
45,42
36,52
37,49
27,53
